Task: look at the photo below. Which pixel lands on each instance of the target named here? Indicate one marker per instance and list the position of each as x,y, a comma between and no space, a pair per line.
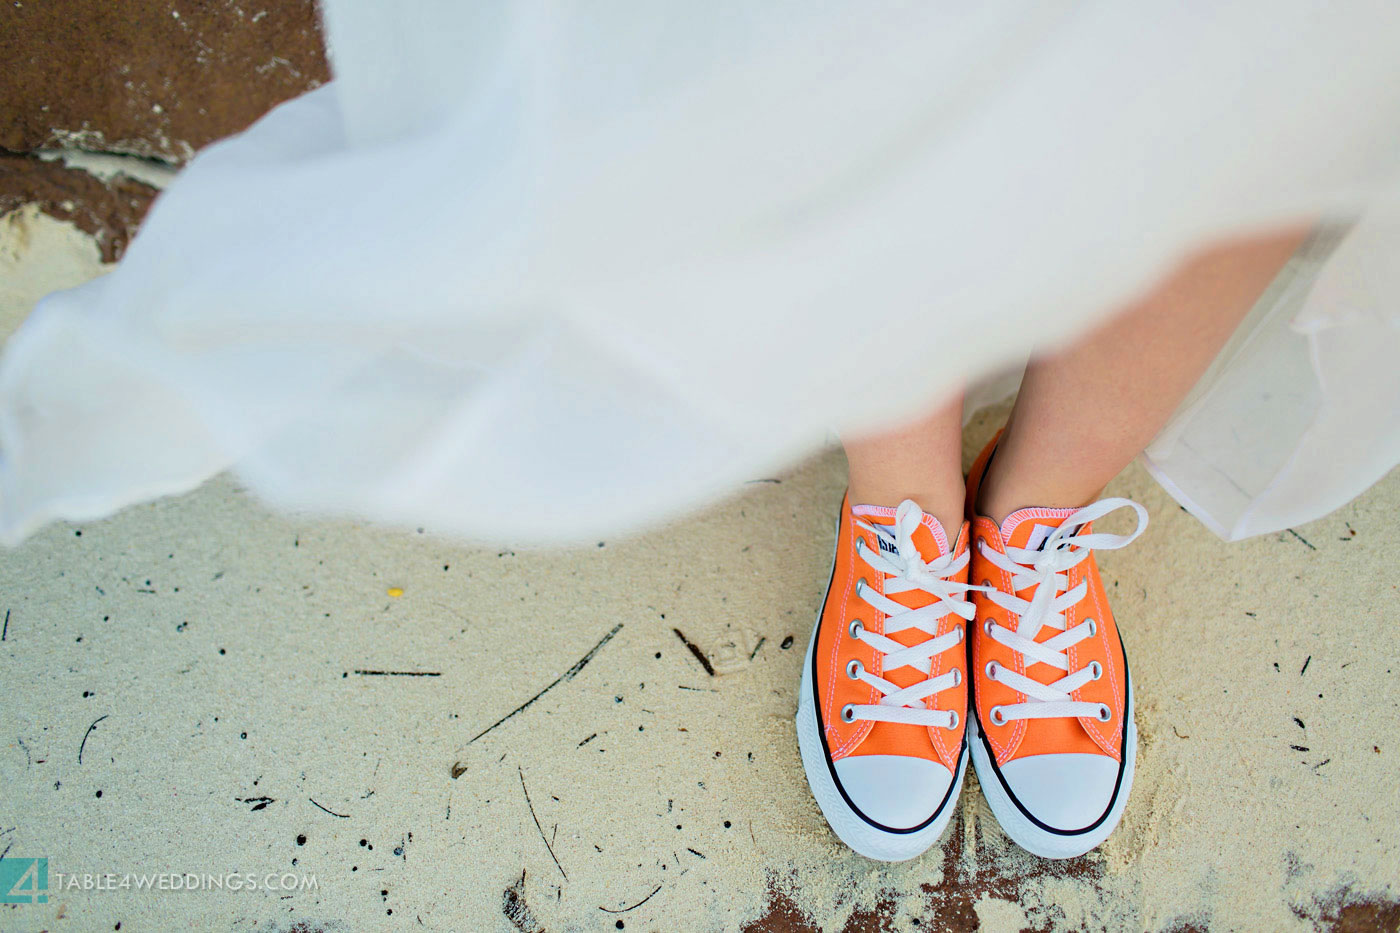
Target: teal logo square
24,881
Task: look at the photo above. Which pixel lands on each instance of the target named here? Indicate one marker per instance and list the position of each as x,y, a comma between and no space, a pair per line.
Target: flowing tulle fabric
538,270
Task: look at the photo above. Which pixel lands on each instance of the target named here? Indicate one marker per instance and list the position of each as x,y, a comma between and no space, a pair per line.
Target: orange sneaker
881,720
1053,740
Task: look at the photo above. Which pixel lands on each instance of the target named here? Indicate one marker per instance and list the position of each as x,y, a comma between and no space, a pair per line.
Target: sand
38,255
252,693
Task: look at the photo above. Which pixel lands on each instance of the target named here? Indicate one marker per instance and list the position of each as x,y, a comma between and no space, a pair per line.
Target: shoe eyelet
987,627
854,669
995,714
962,633
860,587
1093,627
957,677
987,583
982,542
1096,670
855,628
991,670
848,713
1105,714
955,721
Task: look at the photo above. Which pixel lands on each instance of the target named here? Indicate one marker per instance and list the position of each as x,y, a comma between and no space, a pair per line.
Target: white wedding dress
539,270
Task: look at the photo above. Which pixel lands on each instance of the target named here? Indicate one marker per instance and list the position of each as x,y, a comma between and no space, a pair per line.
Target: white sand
189,623
38,255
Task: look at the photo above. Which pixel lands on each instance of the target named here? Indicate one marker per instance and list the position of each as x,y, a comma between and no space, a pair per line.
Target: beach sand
456,738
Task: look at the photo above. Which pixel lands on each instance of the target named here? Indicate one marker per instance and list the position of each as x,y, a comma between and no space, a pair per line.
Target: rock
110,209
153,78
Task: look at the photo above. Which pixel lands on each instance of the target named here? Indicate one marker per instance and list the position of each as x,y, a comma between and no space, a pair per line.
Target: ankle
946,505
998,496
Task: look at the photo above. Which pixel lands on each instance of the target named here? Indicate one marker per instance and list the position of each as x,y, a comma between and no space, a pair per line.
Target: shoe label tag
1038,535
886,545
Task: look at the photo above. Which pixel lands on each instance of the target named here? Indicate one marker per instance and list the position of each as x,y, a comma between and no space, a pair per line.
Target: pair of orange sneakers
1009,621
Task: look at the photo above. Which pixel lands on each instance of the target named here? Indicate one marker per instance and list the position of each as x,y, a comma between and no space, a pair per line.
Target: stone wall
157,79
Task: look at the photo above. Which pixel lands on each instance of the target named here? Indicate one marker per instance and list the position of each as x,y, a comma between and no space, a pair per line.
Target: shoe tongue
1028,528
932,542
929,536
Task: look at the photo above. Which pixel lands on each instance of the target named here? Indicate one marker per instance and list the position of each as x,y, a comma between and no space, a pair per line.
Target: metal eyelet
956,719
957,677
848,713
991,670
987,583
1093,627
987,627
995,714
855,628
854,669
1105,714
962,634
1096,670
860,587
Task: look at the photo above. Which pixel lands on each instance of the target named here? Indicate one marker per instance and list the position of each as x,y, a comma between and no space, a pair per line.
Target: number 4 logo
24,881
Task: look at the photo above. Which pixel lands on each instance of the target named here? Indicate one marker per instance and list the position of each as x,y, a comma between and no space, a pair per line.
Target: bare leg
1085,411
919,461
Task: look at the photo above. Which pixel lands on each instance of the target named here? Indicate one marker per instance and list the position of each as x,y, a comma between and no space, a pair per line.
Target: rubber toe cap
894,791
1068,793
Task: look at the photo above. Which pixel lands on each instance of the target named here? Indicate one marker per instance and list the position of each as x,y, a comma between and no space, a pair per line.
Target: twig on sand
570,674
636,905
343,816
83,744
695,650
537,824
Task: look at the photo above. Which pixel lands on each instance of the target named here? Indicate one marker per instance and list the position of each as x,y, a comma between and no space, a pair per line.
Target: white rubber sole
852,828
1031,837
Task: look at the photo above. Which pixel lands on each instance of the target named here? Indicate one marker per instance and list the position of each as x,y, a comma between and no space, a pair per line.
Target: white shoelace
906,570
1045,569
